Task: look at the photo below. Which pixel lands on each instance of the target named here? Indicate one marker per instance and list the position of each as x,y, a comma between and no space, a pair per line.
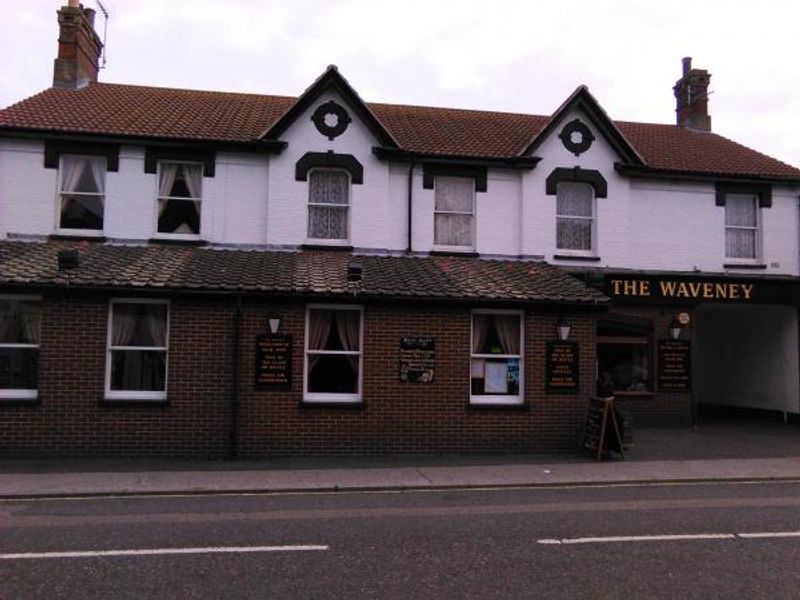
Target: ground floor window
496,357
20,318
333,353
624,356
136,362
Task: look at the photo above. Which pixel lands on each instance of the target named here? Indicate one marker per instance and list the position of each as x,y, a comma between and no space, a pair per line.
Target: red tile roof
312,273
126,110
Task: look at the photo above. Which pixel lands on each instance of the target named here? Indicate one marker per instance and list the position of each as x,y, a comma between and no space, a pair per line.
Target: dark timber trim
153,154
329,160
590,176
763,191
432,170
53,150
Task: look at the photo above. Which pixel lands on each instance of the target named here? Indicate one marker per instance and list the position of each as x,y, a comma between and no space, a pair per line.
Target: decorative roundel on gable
331,119
576,137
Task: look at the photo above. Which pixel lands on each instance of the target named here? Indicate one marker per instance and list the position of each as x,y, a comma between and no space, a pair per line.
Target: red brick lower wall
71,418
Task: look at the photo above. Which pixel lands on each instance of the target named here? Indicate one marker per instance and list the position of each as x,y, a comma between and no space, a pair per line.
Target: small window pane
741,210
455,194
333,374
19,321
573,234
83,174
495,376
179,216
574,199
81,212
139,325
453,230
740,243
495,334
19,368
328,187
138,370
328,223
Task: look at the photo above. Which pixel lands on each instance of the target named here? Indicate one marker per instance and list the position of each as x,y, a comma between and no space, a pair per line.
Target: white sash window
454,213
328,204
81,194
575,217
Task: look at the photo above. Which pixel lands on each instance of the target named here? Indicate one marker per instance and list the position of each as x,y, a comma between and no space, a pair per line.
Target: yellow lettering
748,290
734,291
721,290
616,283
708,290
644,288
629,288
683,291
668,288
695,287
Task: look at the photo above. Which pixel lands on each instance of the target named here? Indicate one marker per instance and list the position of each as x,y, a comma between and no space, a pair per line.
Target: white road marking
770,534
669,538
159,551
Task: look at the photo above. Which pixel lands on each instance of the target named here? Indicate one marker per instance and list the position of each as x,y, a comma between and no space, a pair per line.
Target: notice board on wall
273,369
674,366
417,359
561,368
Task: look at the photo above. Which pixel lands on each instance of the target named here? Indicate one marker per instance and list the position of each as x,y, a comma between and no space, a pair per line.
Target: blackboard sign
674,366
561,368
273,362
602,432
417,359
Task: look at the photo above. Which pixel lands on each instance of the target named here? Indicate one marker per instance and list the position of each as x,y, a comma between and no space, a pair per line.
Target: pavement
725,452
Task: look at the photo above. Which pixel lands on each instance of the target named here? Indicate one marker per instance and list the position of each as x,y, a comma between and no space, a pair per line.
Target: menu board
417,359
674,366
561,368
273,362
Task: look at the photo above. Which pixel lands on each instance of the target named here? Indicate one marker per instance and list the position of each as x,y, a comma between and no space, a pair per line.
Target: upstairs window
20,319
81,193
333,354
454,212
742,226
328,204
179,198
136,365
575,217
496,358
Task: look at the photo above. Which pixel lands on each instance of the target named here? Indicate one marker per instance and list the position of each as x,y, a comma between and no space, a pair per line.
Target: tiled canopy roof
303,273
125,110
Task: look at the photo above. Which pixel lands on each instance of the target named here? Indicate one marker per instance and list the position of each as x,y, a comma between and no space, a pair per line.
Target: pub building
210,274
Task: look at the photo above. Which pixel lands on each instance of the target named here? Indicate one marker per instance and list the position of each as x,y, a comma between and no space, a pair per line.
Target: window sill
502,407
755,266
341,247
338,405
135,402
18,398
468,252
62,236
177,241
579,257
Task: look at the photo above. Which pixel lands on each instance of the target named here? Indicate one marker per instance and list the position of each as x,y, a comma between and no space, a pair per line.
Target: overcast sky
518,56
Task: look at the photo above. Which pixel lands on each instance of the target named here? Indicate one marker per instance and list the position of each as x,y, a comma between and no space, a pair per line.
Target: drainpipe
235,400
410,200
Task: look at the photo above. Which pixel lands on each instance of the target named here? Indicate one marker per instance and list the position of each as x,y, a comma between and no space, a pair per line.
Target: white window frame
178,236
60,192
593,219
345,241
312,397
144,395
496,399
21,393
758,241
473,213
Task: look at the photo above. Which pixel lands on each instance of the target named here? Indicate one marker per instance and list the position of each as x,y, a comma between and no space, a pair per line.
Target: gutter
236,397
410,203
513,162
644,172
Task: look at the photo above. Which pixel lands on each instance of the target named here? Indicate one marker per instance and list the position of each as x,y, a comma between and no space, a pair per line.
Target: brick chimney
691,95
79,47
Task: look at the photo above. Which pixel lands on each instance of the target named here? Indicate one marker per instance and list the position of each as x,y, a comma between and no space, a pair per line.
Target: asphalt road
676,542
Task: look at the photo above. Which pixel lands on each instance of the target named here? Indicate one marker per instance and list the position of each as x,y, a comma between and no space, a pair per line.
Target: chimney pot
691,97
79,47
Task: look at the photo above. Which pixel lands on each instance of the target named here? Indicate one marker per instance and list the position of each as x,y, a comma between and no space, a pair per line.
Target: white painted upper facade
256,200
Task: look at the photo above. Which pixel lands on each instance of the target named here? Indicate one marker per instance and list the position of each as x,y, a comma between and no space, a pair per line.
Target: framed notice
674,366
273,362
561,368
417,359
